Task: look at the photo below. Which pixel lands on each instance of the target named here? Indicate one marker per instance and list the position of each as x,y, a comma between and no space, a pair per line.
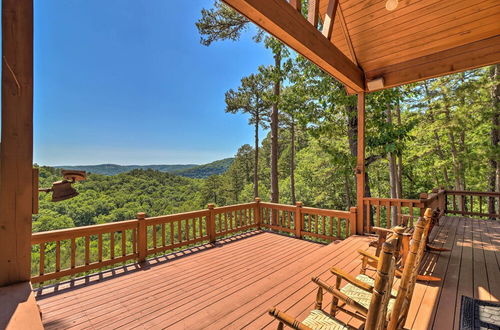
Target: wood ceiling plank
419,25
437,42
466,57
347,37
281,20
397,20
329,19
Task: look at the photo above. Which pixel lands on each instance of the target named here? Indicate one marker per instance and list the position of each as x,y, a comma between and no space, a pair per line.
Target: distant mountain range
186,170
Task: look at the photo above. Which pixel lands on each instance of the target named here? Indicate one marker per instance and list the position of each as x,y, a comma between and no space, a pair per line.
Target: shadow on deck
232,283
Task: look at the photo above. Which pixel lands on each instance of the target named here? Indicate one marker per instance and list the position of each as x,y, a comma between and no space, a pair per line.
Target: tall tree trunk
274,132
256,161
393,180
399,188
292,160
494,179
348,192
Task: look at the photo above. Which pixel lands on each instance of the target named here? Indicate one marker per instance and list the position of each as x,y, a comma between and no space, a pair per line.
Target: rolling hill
187,170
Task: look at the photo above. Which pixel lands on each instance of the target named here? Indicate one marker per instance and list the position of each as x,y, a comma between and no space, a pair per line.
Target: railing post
352,221
257,212
298,219
211,223
445,202
423,200
142,237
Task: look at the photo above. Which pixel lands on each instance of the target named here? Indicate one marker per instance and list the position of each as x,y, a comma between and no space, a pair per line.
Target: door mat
479,314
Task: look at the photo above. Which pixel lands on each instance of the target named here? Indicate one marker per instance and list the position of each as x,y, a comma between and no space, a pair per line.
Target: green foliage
105,199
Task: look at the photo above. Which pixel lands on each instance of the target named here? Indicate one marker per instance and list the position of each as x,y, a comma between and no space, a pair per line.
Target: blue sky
128,82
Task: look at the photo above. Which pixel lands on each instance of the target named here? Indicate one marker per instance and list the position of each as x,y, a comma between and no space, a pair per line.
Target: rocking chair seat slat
361,296
320,320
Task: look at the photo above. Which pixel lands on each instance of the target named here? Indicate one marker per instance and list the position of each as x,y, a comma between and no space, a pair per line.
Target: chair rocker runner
374,317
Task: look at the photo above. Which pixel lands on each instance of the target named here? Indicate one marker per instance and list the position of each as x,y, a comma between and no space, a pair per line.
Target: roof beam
462,58
284,22
331,10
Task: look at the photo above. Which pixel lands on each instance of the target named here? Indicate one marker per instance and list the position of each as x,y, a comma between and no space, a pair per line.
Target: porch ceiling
420,39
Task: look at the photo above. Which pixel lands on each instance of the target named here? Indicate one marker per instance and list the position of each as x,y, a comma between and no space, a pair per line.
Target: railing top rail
475,193
276,206
176,217
326,212
416,202
74,232
222,209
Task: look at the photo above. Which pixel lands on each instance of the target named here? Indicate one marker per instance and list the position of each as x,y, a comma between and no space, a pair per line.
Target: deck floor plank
233,284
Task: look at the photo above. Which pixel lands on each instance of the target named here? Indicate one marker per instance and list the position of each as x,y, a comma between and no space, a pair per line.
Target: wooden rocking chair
374,317
368,259
398,307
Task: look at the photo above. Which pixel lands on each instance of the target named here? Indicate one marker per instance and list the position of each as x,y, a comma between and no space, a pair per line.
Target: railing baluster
58,256
153,227
42,259
133,233
73,252
323,230
124,243
112,244
200,226
179,232
87,250
163,240
99,246
339,227
172,233
377,212
389,219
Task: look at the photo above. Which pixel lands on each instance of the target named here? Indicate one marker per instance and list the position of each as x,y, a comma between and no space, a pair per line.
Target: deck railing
473,203
68,252
382,212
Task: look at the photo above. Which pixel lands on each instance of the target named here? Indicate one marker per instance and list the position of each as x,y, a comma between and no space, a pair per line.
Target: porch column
360,163
16,150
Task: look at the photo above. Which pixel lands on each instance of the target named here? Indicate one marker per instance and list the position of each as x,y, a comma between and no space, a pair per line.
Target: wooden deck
233,284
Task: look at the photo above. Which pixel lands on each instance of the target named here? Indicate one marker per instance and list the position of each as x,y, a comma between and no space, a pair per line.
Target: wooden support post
257,212
360,163
352,221
211,223
298,219
16,151
142,237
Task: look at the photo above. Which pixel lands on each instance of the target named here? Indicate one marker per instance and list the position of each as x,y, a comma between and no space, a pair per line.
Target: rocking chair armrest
368,255
351,279
382,230
287,319
341,296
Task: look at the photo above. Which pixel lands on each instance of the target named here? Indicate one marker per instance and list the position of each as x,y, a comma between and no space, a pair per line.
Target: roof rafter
313,12
330,18
287,24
